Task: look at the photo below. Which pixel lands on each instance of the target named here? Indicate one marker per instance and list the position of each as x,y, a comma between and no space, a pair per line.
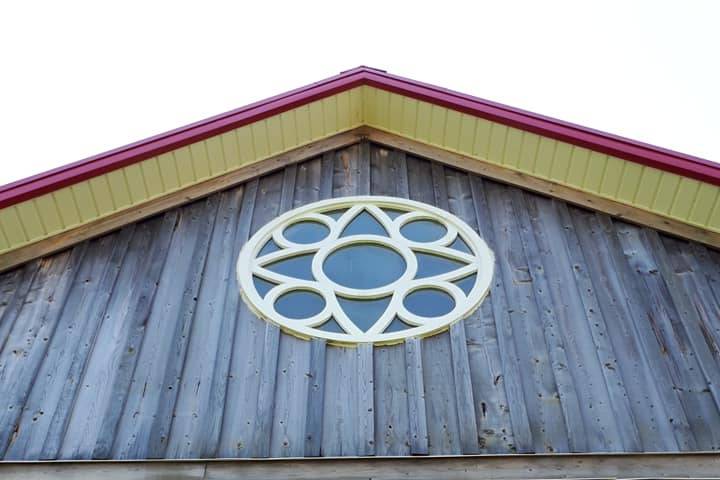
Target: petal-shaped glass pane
423,231
397,325
466,284
299,266
262,286
430,265
269,247
335,214
364,266
459,244
299,304
331,326
306,232
364,313
429,302
364,224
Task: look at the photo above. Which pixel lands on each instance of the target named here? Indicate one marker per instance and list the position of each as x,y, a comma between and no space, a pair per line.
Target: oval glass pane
423,231
299,304
364,266
429,302
306,232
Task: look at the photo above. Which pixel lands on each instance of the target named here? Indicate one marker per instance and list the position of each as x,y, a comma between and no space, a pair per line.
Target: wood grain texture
597,336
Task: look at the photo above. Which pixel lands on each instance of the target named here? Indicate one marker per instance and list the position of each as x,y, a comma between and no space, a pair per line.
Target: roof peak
610,144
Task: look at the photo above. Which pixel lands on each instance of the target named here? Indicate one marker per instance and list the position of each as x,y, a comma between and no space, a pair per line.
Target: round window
365,270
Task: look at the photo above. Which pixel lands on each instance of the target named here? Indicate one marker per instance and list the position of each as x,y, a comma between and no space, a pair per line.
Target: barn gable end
595,352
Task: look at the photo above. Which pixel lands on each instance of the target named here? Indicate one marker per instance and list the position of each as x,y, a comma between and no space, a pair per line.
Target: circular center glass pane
364,266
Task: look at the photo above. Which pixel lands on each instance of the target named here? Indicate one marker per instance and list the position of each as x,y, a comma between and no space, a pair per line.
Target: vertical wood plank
241,393
27,343
366,400
493,426
341,418
629,437
50,401
654,430
669,321
637,302
511,378
201,397
541,396
269,198
341,423
315,399
569,402
288,428
143,429
416,397
388,176
19,282
98,405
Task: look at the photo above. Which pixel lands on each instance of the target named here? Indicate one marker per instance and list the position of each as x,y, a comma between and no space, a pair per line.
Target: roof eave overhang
656,157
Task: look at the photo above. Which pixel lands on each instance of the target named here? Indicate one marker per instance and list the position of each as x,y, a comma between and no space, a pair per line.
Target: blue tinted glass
306,232
459,244
299,304
364,266
429,302
466,284
423,231
392,213
364,224
431,265
269,247
335,214
299,266
364,313
331,326
262,286
397,325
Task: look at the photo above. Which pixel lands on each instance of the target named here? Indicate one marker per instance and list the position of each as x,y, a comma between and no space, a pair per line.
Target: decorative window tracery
366,269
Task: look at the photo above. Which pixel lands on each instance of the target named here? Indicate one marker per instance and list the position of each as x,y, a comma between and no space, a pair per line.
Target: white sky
78,78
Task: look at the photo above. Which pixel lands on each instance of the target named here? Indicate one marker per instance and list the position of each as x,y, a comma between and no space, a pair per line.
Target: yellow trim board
193,192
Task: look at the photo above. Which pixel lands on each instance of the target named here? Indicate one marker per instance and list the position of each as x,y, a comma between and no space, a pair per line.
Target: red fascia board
645,154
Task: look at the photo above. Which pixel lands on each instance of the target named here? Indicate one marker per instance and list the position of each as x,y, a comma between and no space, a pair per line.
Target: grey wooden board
596,336
388,176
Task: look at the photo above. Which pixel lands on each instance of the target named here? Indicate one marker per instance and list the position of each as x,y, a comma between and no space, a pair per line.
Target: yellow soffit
89,207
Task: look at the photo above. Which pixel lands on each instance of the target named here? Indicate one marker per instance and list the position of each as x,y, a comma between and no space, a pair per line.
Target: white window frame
481,262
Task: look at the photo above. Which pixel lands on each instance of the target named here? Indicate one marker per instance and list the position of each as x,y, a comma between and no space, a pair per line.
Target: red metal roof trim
645,154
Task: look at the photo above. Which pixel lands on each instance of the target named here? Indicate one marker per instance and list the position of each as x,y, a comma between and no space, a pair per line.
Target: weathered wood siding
597,336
